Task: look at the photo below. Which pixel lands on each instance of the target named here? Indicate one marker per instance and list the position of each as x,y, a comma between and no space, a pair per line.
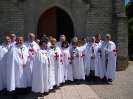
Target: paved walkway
121,88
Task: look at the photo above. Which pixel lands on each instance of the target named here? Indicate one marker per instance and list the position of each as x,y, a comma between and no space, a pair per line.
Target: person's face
65,45
44,45
92,40
75,44
83,41
50,38
53,42
62,38
37,41
88,39
20,40
13,37
107,38
98,37
7,39
31,37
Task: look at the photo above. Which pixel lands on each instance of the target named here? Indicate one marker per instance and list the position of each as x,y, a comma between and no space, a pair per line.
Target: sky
126,1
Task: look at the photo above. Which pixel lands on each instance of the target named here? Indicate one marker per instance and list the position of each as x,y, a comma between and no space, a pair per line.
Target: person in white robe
3,51
41,63
13,39
109,56
77,61
68,74
57,62
83,43
99,72
15,65
62,39
49,42
3,54
37,41
90,58
7,43
32,49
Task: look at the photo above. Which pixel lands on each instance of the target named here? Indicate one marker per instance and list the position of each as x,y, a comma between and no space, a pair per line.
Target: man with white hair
32,49
108,55
57,61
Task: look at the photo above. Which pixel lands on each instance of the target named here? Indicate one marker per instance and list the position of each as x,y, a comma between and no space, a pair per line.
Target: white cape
32,49
3,52
68,74
100,71
110,67
57,62
40,72
77,63
15,76
90,64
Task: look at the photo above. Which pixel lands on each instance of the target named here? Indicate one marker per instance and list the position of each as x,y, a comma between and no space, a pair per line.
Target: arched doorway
55,21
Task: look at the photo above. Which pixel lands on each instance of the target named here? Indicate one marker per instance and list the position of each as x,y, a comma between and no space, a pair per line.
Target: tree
129,13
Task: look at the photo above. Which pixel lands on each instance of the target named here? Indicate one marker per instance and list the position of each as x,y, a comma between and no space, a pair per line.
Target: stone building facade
82,17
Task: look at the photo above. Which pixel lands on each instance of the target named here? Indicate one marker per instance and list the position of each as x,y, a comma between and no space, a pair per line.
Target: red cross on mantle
56,56
70,59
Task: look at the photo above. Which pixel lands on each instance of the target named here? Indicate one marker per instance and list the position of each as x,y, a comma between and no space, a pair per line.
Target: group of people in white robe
44,64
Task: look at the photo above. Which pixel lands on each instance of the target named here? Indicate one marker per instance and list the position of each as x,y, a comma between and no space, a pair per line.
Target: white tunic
3,52
52,82
16,62
109,59
40,76
90,58
77,63
57,62
7,46
32,49
67,64
99,72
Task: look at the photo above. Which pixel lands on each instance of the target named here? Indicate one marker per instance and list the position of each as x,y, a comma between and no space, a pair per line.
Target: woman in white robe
77,61
68,74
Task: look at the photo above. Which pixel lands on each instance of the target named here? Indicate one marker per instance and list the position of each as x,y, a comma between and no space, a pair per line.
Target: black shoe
46,93
110,80
40,95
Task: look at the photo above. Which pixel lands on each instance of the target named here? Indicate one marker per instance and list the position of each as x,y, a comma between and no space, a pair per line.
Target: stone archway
55,21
